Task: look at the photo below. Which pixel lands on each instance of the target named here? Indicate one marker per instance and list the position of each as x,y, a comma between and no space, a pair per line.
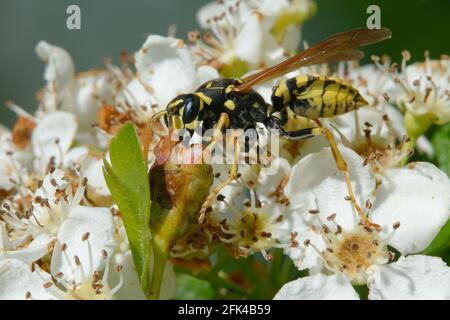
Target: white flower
17,281
52,138
251,211
53,210
371,82
329,230
59,74
318,287
238,38
165,68
81,94
97,191
132,290
136,99
422,89
84,242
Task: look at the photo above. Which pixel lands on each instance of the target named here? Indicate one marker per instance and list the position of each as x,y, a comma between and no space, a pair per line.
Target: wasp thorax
354,252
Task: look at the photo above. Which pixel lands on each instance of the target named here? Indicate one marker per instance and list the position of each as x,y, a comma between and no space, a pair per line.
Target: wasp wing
338,47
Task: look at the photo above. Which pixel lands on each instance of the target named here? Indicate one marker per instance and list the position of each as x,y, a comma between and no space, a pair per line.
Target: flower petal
249,42
16,279
159,61
94,88
131,288
7,172
60,68
98,223
38,248
318,287
53,137
97,190
419,198
415,277
316,183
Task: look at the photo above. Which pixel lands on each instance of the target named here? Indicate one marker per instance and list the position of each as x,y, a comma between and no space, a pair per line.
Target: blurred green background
109,26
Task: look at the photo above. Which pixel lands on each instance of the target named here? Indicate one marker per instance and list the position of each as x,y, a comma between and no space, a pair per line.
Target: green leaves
127,180
441,145
192,288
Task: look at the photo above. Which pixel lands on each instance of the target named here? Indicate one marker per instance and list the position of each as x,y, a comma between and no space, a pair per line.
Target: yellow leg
215,192
221,124
342,166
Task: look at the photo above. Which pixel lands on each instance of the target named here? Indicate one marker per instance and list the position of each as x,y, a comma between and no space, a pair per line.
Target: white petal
98,222
16,279
271,177
131,288
249,42
415,277
305,257
93,89
97,190
207,12
38,248
60,68
205,73
316,183
56,126
424,146
162,60
74,156
7,172
318,287
419,199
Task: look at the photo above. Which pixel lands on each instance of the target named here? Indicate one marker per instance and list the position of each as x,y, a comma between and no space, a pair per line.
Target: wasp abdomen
316,97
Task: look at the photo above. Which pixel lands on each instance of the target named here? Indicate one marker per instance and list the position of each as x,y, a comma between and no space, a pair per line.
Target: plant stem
159,265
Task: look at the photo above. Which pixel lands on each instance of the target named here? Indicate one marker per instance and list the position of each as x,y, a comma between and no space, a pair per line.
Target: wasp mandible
233,104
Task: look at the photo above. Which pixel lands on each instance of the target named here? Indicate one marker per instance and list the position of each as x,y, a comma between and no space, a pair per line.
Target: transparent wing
339,47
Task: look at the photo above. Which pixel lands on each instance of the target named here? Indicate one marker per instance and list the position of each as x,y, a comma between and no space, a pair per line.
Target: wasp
226,103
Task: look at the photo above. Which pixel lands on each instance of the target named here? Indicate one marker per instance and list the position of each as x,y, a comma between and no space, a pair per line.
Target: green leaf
441,244
192,288
127,180
441,145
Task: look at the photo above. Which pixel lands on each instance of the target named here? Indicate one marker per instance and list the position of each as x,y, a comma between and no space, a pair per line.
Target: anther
396,225
85,236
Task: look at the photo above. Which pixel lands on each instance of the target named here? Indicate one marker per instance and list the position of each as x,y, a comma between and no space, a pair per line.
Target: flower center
354,252
89,291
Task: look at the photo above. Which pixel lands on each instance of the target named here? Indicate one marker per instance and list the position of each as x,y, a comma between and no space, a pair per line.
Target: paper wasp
232,103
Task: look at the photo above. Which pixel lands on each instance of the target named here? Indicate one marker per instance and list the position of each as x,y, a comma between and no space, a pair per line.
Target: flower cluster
62,235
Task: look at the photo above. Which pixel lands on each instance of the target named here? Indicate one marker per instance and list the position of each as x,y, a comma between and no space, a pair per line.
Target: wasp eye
191,108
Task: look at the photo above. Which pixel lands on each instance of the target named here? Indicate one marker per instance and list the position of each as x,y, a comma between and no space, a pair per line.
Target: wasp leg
215,192
223,123
338,158
343,167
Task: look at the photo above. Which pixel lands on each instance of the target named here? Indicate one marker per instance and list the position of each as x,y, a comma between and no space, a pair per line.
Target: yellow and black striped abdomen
316,97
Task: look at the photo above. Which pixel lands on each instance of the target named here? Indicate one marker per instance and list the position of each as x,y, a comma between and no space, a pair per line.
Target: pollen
354,252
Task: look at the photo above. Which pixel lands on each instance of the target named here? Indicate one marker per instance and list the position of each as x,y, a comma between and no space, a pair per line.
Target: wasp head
186,106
